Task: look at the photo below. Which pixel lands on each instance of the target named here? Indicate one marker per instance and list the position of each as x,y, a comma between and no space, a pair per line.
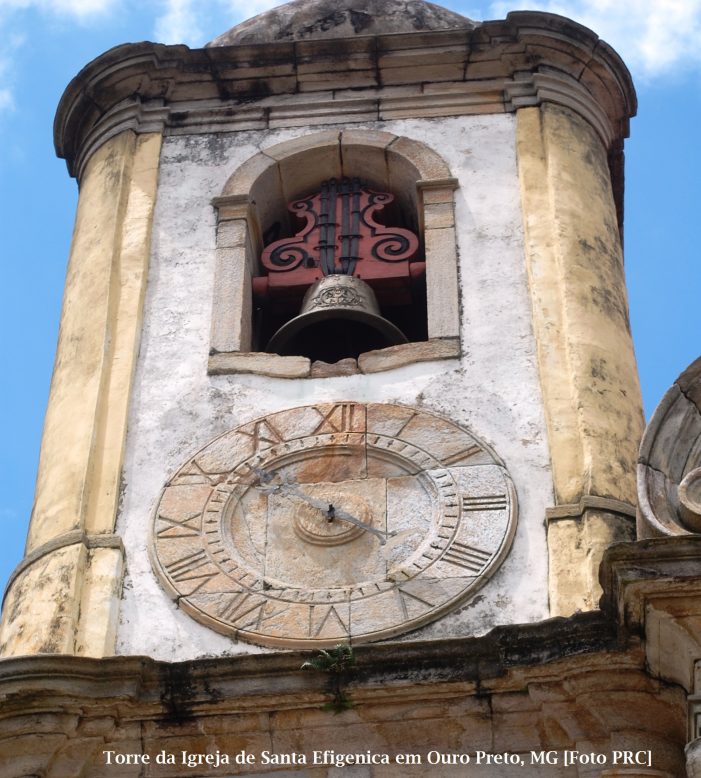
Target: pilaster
585,353
62,596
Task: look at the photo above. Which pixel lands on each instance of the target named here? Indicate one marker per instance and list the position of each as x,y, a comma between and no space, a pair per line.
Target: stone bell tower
344,360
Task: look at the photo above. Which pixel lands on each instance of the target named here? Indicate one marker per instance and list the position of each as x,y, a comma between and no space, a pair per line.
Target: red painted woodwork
342,236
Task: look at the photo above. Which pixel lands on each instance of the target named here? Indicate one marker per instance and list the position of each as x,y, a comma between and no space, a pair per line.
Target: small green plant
334,661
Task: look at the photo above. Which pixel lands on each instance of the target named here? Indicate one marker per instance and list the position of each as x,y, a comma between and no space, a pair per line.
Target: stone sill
275,366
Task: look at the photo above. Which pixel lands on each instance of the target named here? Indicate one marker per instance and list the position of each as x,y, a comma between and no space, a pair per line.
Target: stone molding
437,183
596,677
259,363
632,574
695,720
527,59
275,366
590,501
669,467
409,354
68,539
652,588
465,660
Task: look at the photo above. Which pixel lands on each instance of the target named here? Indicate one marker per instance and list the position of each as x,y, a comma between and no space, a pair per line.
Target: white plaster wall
493,390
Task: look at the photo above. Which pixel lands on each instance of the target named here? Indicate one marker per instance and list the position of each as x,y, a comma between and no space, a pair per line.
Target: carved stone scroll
669,469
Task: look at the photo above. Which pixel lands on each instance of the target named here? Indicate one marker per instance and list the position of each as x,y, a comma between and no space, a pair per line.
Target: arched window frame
284,172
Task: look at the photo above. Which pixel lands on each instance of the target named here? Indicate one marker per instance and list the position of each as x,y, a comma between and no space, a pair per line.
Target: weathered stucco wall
493,389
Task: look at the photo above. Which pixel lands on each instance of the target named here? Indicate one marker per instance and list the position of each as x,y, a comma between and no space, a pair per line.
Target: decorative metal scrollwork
341,236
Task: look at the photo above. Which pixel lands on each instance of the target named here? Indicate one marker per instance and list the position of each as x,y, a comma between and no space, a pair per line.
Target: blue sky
44,43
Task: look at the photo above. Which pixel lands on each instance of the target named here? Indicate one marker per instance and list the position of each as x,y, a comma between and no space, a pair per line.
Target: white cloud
80,9
652,36
178,24
9,49
179,21
10,16
7,100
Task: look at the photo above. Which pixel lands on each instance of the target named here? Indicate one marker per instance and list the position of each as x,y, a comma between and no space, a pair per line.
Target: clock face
333,523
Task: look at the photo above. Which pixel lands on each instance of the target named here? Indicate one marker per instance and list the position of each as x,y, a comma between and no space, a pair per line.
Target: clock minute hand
286,488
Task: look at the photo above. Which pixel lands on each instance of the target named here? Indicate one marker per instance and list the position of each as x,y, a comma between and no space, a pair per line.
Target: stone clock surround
334,522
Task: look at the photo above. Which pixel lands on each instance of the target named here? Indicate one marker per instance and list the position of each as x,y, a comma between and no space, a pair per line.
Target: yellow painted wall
70,536
585,352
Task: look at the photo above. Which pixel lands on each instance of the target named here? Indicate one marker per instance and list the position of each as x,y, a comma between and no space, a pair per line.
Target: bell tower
344,365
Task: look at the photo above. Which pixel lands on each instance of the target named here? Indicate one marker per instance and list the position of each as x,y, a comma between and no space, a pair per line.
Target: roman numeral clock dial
330,523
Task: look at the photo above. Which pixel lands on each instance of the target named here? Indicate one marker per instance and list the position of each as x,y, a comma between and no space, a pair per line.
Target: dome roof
304,19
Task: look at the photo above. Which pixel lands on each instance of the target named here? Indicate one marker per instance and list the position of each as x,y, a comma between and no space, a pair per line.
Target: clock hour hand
272,484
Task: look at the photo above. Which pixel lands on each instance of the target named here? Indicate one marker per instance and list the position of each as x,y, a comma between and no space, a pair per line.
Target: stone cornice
652,588
632,573
500,66
249,683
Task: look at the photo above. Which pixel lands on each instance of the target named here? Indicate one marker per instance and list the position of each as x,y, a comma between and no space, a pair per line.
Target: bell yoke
340,262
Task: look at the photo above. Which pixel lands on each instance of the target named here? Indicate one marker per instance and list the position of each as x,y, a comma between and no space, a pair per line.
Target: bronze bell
339,318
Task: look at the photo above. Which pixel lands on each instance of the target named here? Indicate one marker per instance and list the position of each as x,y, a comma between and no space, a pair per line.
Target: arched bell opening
348,277
252,213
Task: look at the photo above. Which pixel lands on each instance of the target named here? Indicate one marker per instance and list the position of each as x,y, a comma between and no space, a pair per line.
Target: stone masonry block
260,363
